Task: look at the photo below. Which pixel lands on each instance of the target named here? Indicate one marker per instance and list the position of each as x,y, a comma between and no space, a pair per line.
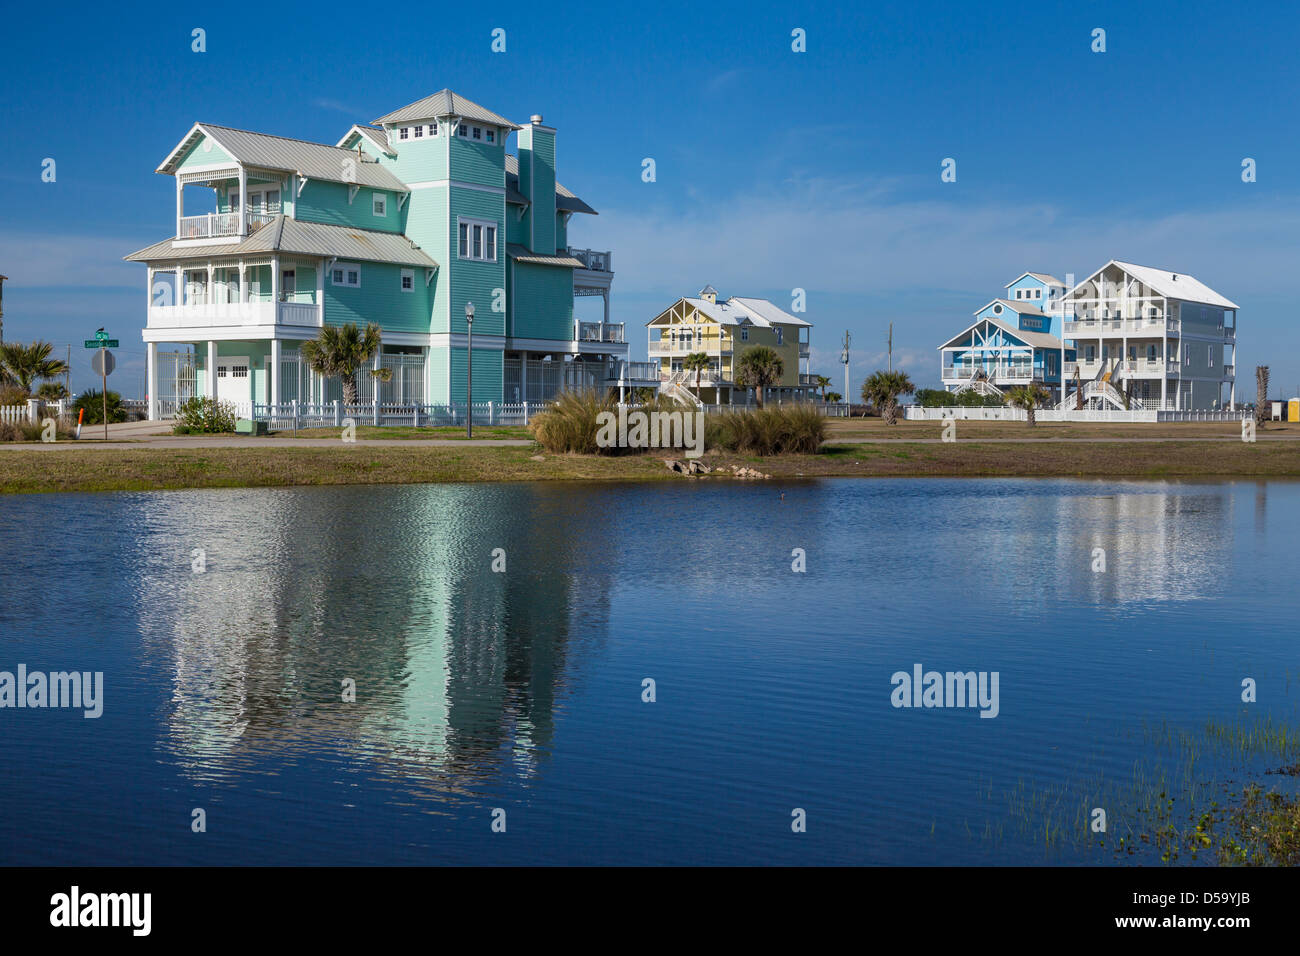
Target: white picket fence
295,415
1006,413
32,412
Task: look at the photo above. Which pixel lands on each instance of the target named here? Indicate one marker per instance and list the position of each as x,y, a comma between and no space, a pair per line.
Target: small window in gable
478,132
403,132
491,136
417,131
408,280
379,204
744,335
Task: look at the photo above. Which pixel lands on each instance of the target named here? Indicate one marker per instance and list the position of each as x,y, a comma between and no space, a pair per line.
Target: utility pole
844,358
2,308
891,346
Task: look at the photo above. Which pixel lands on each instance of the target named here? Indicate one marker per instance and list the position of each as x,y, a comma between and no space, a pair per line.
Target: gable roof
1038,340
565,201
1021,307
760,313
296,237
311,160
377,136
1040,276
444,103
1174,285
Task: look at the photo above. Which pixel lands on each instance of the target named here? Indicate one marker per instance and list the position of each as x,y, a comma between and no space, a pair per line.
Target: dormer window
417,132
403,133
491,136
379,204
477,132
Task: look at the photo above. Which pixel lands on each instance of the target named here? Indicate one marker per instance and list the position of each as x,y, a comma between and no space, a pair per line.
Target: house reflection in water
458,669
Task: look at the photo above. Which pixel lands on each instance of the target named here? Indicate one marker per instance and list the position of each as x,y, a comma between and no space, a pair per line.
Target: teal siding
426,226
537,180
472,281
380,299
328,203
542,298
204,153
418,160
561,232
439,376
488,374
480,163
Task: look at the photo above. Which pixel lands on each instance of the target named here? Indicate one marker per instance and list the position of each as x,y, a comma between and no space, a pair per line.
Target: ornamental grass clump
780,430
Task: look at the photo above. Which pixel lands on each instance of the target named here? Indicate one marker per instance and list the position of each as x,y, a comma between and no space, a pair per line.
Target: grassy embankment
873,450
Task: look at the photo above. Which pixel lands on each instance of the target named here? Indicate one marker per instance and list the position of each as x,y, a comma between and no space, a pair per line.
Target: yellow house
723,330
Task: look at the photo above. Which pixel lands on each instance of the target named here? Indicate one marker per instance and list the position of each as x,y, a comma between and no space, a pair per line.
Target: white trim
345,266
379,196
407,274
469,239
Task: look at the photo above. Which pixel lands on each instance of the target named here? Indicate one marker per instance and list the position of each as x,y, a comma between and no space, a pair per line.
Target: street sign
101,343
103,363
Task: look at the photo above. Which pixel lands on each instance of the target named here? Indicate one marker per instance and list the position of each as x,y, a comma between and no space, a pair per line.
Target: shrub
942,398
13,395
94,407
25,431
779,430
569,425
204,416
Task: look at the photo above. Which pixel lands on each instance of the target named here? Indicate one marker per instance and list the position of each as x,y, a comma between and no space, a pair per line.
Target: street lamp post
469,371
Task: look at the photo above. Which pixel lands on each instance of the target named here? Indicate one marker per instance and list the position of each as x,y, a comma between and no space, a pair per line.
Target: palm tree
833,398
823,383
340,351
52,392
1262,413
25,365
696,362
758,368
882,389
1028,397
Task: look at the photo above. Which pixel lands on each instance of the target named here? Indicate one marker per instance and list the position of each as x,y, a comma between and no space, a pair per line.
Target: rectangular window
288,284
433,128
1209,358
744,335
379,204
402,133
1090,353
1151,353
478,132
780,335
408,280
418,131
491,136
347,276
272,201
478,240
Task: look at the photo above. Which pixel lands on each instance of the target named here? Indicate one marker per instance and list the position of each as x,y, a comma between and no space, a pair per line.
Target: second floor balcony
611,332
216,225
593,259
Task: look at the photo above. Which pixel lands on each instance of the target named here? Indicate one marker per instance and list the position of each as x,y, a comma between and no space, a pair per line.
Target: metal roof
444,103
523,254
1040,276
760,313
312,160
1174,285
295,237
564,200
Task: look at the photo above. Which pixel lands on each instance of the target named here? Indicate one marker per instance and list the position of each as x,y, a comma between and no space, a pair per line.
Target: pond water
229,626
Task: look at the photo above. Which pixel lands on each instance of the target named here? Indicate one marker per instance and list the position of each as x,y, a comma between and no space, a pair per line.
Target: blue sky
776,170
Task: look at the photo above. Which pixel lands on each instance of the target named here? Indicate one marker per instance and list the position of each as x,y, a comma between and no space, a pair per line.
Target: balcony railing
596,332
218,224
686,347
1011,373
634,372
1229,371
593,259
261,312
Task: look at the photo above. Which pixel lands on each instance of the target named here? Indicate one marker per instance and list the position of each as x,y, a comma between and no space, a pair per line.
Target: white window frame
379,204
403,132
1209,356
744,335
417,132
407,282
468,225
345,268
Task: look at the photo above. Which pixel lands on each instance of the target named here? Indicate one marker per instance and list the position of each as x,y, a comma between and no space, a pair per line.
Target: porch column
275,371
523,376
1164,361
605,321
212,369
180,204
320,293
243,201
210,293
151,379
243,282
275,288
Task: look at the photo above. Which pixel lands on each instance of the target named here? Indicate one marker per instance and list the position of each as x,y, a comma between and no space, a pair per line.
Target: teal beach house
404,222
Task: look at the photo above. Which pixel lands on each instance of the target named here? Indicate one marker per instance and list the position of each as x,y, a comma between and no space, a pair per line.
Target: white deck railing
214,225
